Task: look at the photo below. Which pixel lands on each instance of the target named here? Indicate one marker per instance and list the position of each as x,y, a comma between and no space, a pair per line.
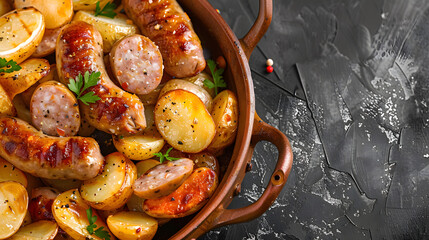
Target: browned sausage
165,23
163,179
41,203
54,110
137,64
79,49
47,45
48,157
187,199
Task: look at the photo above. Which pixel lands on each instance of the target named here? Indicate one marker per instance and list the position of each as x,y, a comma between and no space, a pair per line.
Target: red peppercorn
270,69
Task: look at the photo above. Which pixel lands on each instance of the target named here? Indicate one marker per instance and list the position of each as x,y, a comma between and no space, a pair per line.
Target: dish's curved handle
251,39
262,132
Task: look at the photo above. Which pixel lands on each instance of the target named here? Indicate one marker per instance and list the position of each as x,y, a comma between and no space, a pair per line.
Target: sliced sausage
48,157
47,45
80,50
187,199
166,24
54,110
163,179
137,64
41,203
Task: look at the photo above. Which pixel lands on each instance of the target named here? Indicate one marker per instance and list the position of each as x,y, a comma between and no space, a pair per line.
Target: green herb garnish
107,11
217,77
8,66
99,232
81,83
162,156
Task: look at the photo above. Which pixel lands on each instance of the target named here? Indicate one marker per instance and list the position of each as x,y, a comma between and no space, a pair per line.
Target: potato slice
183,121
22,30
85,129
88,4
152,97
13,207
225,116
69,210
56,13
138,147
187,199
21,109
6,104
46,230
188,86
205,159
110,29
132,225
112,188
8,172
4,7
32,71
62,185
199,81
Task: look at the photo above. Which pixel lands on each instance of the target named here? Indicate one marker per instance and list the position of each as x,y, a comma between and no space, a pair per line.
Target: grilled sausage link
79,49
166,24
48,157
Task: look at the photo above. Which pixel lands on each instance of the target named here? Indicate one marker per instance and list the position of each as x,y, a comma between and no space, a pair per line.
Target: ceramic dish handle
263,132
249,42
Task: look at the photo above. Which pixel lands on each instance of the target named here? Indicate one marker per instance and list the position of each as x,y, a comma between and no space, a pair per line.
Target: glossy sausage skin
166,24
41,202
79,49
48,157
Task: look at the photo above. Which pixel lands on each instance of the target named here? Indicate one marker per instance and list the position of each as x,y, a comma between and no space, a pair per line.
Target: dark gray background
349,89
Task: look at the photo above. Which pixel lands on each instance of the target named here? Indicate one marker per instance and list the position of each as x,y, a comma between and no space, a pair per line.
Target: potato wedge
62,185
69,210
4,7
112,188
132,225
225,116
199,81
88,4
8,172
138,147
174,84
32,71
183,121
46,230
22,30
21,109
205,159
6,104
110,29
56,13
187,199
13,207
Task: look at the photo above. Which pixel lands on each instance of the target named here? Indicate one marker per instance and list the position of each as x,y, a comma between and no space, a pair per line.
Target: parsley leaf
8,66
82,83
107,11
217,77
166,156
99,232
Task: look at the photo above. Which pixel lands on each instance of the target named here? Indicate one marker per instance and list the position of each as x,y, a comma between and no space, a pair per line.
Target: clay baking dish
219,40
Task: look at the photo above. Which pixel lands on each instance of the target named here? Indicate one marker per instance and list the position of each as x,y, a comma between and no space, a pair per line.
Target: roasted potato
174,84
4,7
62,185
112,188
56,13
183,121
85,129
225,116
104,214
6,104
138,147
69,210
32,71
132,225
8,172
205,159
21,109
199,81
22,31
27,94
110,29
152,97
13,207
187,199
88,4
46,230
27,219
